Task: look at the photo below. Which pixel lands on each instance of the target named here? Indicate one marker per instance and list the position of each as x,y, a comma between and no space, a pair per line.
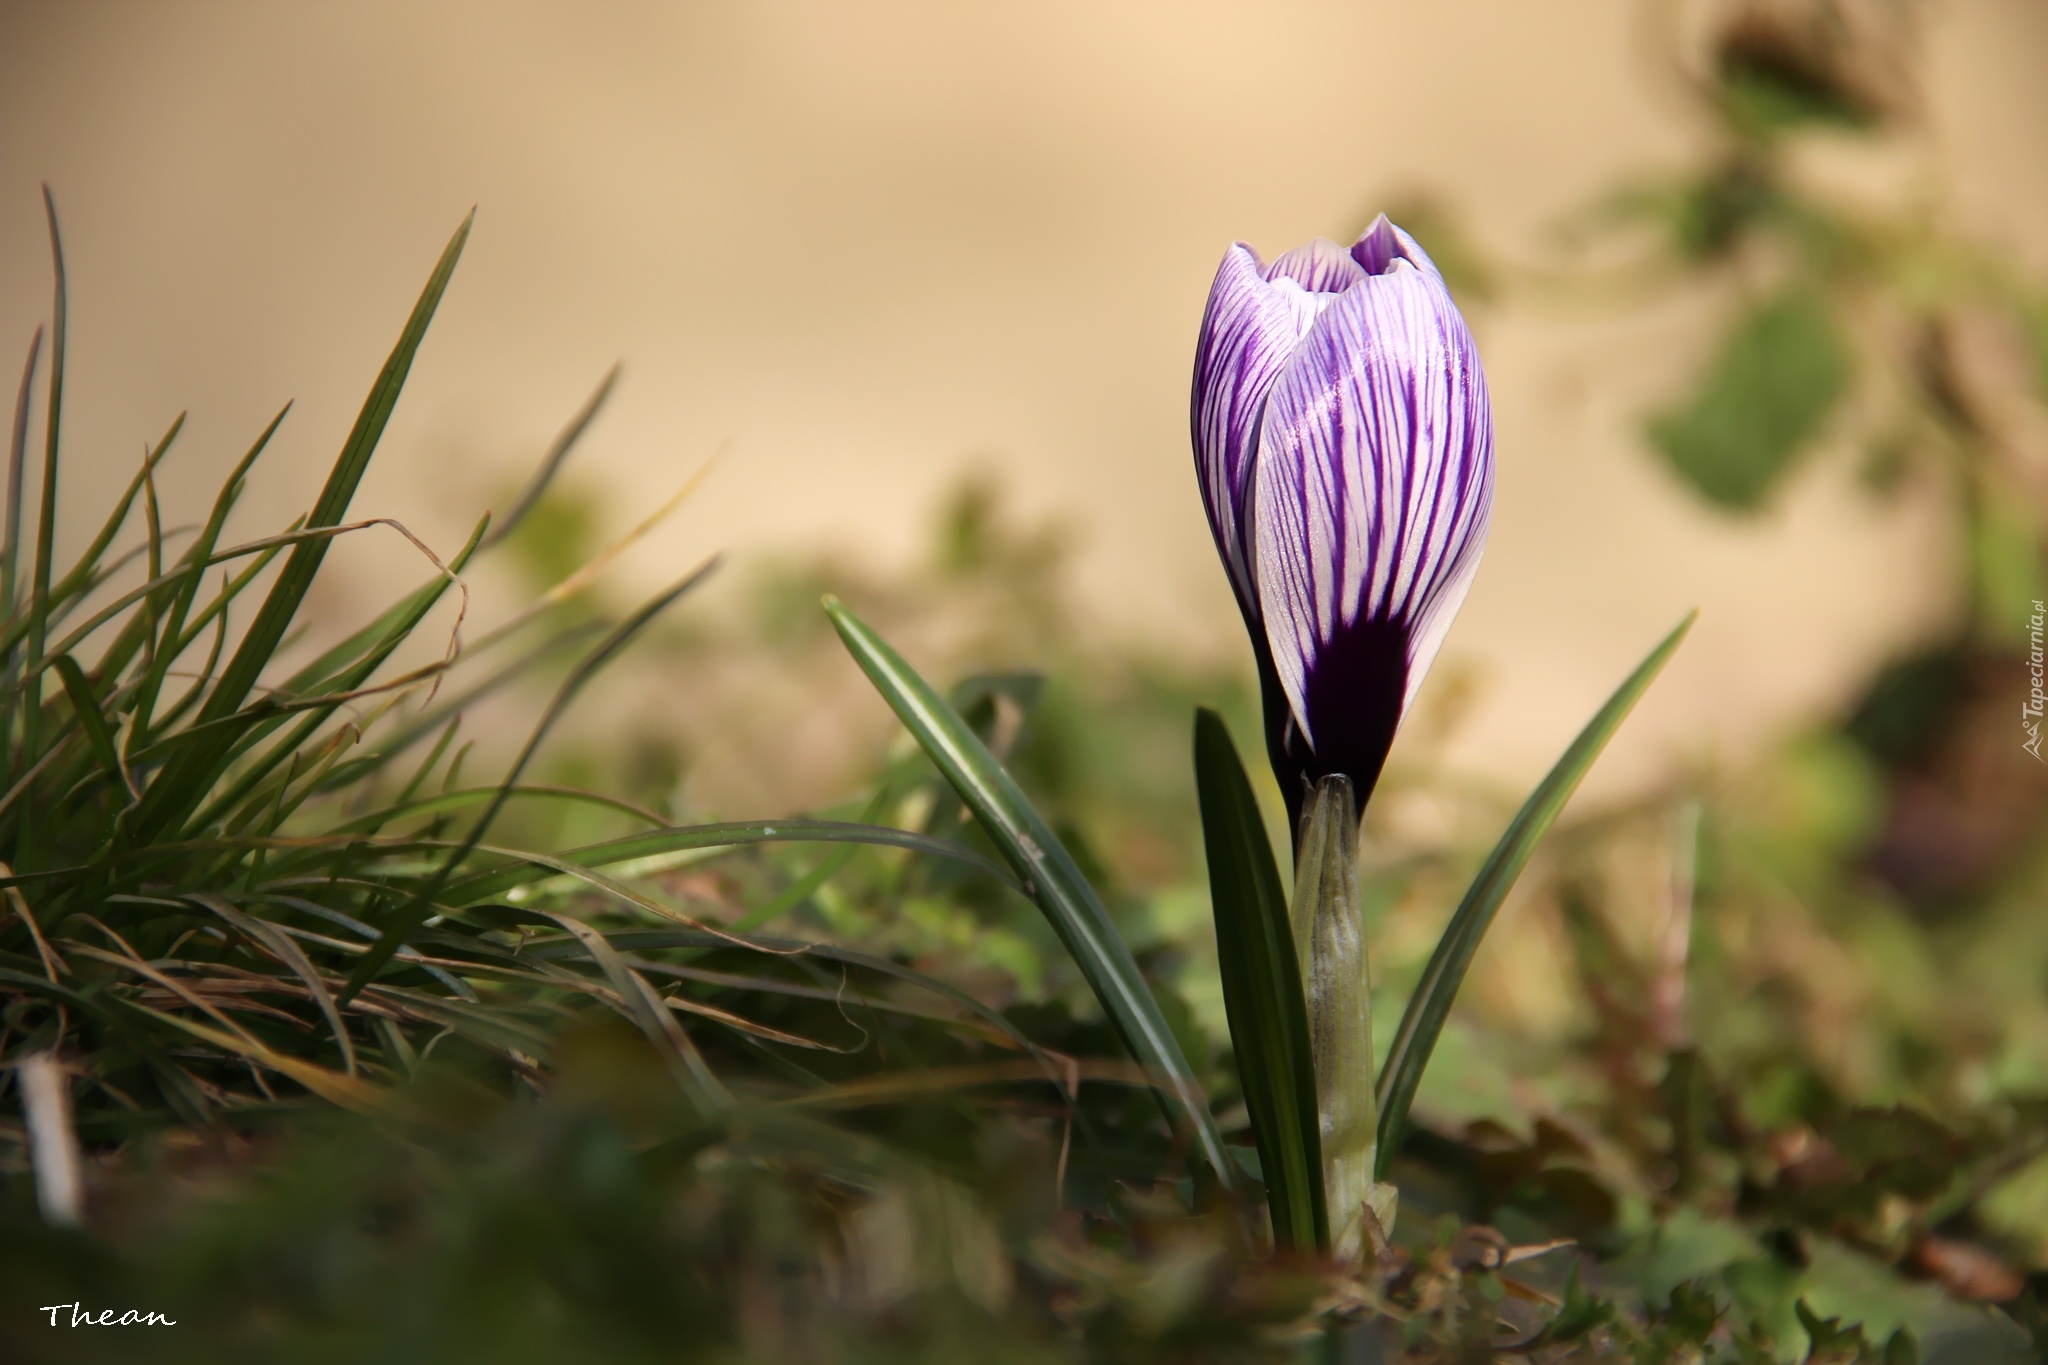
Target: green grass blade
1431,1004
371,822
280,946
551,463
87,708
640,1004
1262,991
806,886
46,524
167,720
339,671
275,616
495,882
340,668
180,786
85,574
138,633
183,782
196,561
10,558
46,537
1048,872
152,523
17,461
419,906
260,553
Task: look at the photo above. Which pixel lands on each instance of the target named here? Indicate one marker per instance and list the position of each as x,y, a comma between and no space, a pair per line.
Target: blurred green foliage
1773,384
558,535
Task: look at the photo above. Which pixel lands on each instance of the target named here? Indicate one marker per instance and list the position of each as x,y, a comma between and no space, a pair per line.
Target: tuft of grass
226,895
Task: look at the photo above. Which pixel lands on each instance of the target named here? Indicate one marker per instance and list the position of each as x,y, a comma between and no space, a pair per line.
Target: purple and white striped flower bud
1344,442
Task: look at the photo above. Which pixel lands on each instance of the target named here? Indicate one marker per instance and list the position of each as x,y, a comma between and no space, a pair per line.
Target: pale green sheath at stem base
1329,941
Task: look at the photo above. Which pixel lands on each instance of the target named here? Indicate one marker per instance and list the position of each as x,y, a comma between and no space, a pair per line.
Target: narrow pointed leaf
86,574
495,882
10,558
280,946
279,609
419,906
551,463
338,672
46,522
87,707
17,459
332,1086
340,667
1261,991
171,797
1047,869
46,538
1427,1009
640,1004
196,561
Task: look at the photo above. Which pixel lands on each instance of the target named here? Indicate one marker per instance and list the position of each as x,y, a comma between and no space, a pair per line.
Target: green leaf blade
86,706
491,883
282,605
419,906
1430,1006
1261,991
336,673
178,789
197,559
38,624
1048,871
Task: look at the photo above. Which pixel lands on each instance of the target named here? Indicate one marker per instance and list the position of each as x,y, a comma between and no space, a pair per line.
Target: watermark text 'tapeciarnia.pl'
2031,708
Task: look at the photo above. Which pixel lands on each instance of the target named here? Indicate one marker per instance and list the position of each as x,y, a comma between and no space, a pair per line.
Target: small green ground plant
229,895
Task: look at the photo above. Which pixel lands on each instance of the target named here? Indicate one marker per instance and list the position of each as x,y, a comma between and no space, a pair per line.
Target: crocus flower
1344,443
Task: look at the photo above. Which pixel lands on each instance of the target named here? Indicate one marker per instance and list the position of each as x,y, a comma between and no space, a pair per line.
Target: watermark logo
81,1316
2031,709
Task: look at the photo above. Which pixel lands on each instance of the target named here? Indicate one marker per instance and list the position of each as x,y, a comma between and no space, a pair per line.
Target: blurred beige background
868,244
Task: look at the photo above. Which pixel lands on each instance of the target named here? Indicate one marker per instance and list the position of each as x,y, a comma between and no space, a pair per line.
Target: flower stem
1329,941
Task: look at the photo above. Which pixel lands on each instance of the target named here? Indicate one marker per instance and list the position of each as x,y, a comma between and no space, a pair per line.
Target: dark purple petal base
1358,688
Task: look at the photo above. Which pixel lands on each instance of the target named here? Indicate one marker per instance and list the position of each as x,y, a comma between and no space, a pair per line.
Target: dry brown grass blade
612,886
232,995
744,1024
52,963
769,986
642,1005
601,565
132,963
332,1086
289,955
908,1085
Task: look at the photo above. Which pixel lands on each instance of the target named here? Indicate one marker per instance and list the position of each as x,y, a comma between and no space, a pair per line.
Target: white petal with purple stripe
1373,484
1251,327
